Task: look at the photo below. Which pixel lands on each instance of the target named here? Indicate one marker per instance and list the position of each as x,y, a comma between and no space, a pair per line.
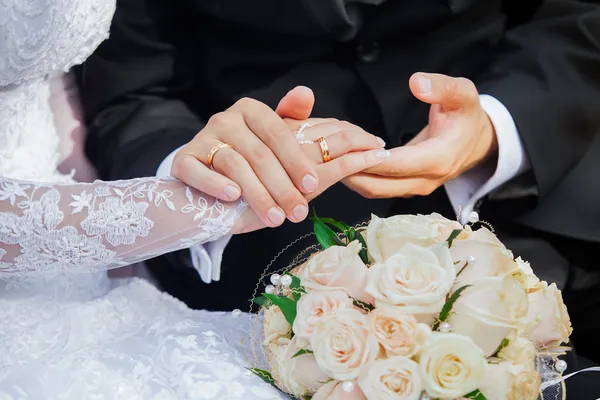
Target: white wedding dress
67,331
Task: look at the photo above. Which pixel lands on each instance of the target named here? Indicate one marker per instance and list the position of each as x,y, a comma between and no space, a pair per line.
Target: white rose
547,309
335,391
275,326
417,279
491,257
520,351
489,311
451,365
317,305
507,381
299,375
399,334
385,236
530,280
393,378
343,344
337,267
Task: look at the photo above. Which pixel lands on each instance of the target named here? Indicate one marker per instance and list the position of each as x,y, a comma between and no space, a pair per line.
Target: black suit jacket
169,65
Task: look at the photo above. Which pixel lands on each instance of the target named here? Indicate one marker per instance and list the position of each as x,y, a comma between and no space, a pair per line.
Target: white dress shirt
464,191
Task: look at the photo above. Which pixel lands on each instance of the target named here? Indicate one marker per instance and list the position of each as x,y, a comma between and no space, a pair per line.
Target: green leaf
262,374
324,234
285,304
475,395
260,300
296,287
363,305
364,256
302,351
505,342
340,225
462,269
445,313
453,236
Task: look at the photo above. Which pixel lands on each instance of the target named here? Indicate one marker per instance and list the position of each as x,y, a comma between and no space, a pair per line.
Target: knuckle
246,102
259,153
345,138
469,88
219,119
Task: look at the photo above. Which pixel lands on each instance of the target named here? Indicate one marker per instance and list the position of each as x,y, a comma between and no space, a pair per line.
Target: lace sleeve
103,225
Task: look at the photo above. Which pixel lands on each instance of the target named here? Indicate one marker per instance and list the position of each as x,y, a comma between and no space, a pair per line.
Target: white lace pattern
66,331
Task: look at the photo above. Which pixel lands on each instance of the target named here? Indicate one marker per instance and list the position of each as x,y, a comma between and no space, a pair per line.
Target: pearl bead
275,279
445,327
270,289
473,217
561,366
236,313
425,396
471,260
286,280
348,386
248,373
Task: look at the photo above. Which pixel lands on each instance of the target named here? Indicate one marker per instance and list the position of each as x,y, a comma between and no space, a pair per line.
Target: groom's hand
458,137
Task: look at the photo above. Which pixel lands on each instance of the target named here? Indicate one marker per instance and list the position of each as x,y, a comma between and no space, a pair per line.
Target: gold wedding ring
324,149
214,151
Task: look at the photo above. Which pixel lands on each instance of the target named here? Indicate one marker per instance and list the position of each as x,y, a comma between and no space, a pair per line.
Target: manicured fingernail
424,84
276,216
383,154
381,141
300,212
309,183
232,193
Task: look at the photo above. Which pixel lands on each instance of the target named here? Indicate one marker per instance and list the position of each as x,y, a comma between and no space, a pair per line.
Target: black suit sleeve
547,74
132,92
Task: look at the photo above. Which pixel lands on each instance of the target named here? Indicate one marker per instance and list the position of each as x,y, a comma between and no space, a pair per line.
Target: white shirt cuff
465,190
206,258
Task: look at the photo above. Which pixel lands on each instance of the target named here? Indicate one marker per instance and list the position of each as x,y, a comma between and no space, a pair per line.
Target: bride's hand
348,146
265,163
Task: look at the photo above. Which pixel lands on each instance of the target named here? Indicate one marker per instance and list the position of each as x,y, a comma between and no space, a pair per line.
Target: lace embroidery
98,224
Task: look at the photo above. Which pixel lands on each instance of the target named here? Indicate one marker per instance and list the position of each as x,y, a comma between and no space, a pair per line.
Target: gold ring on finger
324,149
214,151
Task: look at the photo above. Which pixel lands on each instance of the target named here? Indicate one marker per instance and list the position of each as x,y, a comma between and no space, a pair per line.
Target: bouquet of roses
412,307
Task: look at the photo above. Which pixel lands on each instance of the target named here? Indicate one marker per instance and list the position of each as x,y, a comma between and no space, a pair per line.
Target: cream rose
335,391
393,378
315,306
337,267
530,280
416,279
507,381
548,311
520,351
385,236
275,326
299,375
491,257
451,365
399,334
343,344
489,311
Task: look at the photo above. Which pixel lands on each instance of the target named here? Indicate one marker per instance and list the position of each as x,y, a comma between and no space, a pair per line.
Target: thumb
297,103
444,90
